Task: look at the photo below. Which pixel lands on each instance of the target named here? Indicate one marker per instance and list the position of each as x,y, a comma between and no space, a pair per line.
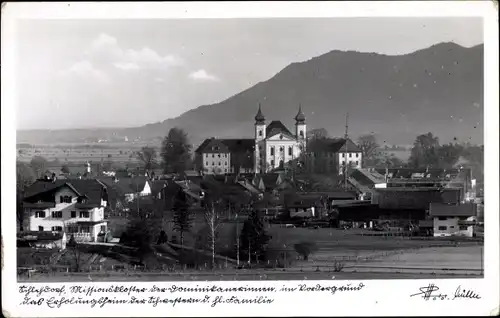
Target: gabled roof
92,189
271,180
226,145
127,185
277,127
332,145
440,209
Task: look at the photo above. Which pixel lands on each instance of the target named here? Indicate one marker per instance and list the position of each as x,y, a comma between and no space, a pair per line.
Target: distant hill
437,89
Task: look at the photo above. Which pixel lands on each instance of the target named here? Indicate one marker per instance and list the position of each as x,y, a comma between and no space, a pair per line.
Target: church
273,146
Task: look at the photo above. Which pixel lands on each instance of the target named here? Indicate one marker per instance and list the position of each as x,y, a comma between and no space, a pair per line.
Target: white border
379,297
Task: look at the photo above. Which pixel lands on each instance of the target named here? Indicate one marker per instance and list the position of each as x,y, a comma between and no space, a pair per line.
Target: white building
74,207
453,220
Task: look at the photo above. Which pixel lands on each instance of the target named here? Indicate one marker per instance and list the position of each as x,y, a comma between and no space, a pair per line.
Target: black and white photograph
256,149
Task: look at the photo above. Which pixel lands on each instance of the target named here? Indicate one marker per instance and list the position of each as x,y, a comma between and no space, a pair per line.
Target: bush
305,249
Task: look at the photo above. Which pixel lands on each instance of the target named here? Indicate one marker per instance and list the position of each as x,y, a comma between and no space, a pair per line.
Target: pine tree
182,216
253,237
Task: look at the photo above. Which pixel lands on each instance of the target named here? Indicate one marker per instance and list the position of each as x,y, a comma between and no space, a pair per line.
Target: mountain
437,89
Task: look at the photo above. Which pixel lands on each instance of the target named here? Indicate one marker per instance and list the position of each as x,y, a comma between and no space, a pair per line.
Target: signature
465,293
431,292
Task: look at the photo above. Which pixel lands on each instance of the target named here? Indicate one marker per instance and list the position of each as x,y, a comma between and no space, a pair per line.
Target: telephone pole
345,149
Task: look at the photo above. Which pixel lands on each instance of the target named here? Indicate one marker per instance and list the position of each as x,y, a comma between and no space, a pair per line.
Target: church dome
300,117
259,118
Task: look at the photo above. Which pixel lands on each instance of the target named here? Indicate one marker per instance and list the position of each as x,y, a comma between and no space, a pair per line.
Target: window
260,133
39,214
442,228
219,155
57,228
206,163
84,214
212,155
350,155
225,163
301,133
272,163
73,214
343,154
225,170
463,227
357,163
57,214
272,151
40,228
282,149
357,155
61,199
290,150
442,218
103,228
219,163
213,163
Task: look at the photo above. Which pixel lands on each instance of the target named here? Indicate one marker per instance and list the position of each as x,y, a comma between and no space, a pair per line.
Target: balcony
39,205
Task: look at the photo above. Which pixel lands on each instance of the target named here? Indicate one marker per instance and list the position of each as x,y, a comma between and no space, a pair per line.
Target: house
73,206
453,219
129,188
330,155
305,205
222,156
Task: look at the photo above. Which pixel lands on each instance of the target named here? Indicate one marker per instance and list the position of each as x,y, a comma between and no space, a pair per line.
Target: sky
123,73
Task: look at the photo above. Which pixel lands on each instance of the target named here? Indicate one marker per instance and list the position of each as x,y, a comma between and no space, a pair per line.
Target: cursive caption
433,292
172,295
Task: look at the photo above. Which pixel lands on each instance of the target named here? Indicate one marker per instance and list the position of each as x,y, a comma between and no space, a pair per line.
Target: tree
38,164
65,168
182,216
176,151
139,235
212,221
163,238
147,155
305,249
24,178
72,247
254,238
368,144
425,151
449,155
317,133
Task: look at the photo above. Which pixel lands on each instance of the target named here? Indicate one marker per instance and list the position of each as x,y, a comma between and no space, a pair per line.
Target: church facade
275,146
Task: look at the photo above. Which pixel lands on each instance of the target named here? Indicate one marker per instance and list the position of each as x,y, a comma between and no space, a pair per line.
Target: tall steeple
259,118
300,124
300,118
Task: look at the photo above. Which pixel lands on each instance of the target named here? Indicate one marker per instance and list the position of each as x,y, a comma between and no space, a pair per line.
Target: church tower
300,125
260,136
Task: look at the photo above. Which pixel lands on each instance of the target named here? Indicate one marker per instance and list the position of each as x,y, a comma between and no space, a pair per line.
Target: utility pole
345,150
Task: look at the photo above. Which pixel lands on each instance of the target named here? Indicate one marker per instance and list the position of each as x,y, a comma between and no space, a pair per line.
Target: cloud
159,80
106,49
85,69
202,75
127,66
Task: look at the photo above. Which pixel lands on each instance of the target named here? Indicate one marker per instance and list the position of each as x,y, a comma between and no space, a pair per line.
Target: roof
409,173
271,180
276,127
227,145
127,185
366,177
91,188
157,185
332,145
440,209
